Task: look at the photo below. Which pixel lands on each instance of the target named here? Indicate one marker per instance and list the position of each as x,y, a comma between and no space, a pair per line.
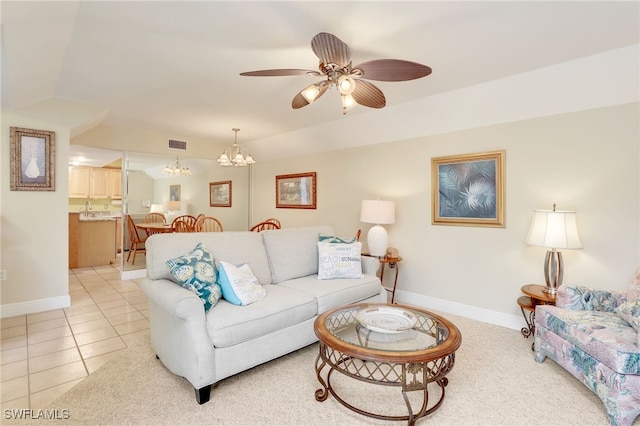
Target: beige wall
34,230
585,161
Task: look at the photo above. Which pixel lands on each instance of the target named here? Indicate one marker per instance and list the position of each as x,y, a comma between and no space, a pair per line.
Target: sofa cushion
239,285
603,335
630,312
332,293
231,246
293,252
339,260
196,271
229,324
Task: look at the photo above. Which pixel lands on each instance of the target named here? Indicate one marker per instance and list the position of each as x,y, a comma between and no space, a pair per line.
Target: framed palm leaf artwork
468,190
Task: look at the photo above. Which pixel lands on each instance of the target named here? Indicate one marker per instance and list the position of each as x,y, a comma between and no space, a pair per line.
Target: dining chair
274,220
208,224
154,218
263,226
184,223
358,234
136,243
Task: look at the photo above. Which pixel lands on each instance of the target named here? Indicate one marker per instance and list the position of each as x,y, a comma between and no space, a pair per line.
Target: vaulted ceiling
173,66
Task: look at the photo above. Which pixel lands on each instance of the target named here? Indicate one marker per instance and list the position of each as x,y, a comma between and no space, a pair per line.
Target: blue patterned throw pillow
196,271
325,238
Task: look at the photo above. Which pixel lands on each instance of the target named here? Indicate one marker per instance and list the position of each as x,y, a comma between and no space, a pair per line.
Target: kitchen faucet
87,207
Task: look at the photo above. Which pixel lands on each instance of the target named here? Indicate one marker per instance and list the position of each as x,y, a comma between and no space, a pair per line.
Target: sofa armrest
589,299
179,334
370,265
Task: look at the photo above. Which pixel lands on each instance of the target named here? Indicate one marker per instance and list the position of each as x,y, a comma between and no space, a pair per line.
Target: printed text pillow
339,260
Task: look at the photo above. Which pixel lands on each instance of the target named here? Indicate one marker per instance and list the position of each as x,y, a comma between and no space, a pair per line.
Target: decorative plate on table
385,319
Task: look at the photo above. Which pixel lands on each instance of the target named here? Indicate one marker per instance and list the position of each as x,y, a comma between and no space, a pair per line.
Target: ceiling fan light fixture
311,93
346,84
347,103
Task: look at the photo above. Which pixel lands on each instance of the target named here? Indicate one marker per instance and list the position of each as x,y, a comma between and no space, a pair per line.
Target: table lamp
380,213
554,229
173,205
156,208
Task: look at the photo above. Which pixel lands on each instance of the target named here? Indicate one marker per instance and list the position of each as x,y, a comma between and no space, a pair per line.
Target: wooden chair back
208,224
184,223
358,234
154,218
274,220
263,226
136,243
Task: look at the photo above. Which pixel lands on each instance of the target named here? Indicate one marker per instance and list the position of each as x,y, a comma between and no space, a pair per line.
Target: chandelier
233,156
176,168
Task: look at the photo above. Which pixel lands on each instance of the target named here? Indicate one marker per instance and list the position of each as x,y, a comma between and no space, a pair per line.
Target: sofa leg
203,394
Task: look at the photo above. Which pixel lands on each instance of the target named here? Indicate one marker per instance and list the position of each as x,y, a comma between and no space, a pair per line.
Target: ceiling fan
351,82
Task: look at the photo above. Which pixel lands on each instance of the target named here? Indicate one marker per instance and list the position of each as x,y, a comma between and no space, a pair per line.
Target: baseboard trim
133,274
33,306
473,312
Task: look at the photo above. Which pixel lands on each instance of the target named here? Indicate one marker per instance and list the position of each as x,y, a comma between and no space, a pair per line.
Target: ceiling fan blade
300,100
392,70
279,73
368,95
330,49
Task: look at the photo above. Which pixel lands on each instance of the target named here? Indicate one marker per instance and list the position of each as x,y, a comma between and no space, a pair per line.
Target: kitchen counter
92,240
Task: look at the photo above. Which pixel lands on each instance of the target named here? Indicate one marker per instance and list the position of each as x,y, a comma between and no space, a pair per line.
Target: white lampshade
377,212
156,208
554,229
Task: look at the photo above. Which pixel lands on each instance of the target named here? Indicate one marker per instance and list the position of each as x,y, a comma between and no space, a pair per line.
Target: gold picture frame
32,159
296,191
174,193
469,190
220,194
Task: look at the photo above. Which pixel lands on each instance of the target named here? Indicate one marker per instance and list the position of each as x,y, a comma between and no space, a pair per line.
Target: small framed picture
468,189
296,191
174,193
32,159
220,194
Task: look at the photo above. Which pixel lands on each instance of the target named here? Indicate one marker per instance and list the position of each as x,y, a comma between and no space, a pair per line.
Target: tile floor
44,355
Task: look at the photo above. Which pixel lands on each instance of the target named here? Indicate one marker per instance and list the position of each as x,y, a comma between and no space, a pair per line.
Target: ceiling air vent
176,144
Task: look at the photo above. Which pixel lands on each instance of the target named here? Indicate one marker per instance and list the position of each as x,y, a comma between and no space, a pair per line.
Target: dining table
155,227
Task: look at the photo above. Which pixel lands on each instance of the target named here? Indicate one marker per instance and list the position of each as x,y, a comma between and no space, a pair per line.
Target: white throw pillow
338,260
239,285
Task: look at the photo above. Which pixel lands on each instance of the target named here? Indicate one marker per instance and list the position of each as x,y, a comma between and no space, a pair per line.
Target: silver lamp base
553,271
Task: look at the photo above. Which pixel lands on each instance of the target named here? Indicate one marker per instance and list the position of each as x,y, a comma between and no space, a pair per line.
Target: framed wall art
220,194
468,190
32,159
296,191
174,193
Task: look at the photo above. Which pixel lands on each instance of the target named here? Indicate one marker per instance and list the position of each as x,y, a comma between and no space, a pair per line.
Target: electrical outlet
3,274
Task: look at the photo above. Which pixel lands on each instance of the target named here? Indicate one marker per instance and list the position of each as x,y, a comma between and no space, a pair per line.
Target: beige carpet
495,381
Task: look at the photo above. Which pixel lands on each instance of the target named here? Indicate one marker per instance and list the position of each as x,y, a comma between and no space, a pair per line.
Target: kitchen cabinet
119,235
115,186
79,177
91,242
95,182
100,181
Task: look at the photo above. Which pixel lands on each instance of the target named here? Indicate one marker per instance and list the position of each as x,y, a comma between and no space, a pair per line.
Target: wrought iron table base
413,377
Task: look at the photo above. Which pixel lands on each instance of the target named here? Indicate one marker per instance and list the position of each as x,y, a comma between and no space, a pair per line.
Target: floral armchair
594,335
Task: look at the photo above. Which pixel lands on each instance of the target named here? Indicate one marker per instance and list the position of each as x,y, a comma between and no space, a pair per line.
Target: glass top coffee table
391,345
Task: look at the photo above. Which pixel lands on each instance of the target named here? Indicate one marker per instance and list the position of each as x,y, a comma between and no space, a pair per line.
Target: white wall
584,161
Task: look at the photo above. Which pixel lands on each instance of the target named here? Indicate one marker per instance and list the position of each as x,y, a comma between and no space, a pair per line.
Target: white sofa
228,339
